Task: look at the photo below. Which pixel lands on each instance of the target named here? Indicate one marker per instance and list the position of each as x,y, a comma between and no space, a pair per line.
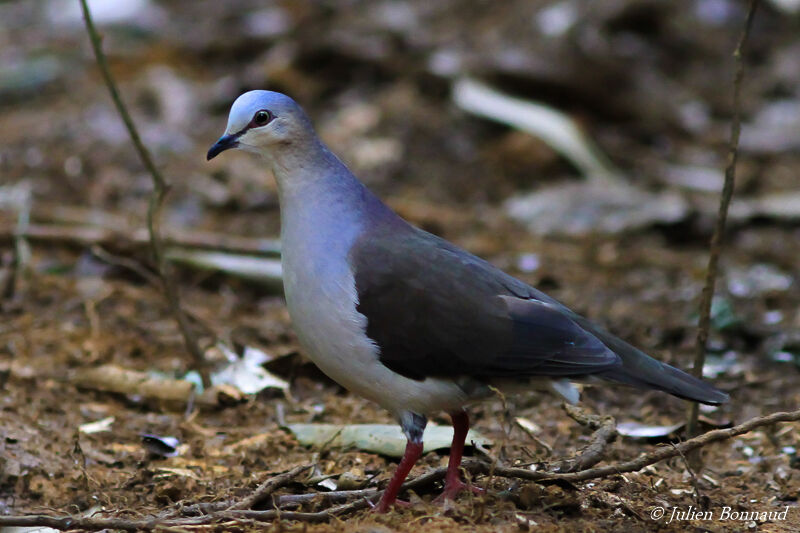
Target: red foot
452,481
389,497
454,488
382,508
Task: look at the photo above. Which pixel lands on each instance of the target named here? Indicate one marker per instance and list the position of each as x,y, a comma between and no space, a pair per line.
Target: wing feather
436,310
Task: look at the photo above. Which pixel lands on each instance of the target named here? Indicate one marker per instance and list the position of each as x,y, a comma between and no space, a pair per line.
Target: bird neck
309,168
319,195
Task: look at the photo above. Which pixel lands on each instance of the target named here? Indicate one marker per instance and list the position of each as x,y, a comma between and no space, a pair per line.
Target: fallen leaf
385,439
183,472
246,373
637,430
97,426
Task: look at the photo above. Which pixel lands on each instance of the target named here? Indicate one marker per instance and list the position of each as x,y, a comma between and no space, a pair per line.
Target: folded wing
434,310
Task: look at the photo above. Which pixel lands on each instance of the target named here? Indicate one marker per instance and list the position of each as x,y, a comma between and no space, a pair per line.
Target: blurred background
578,145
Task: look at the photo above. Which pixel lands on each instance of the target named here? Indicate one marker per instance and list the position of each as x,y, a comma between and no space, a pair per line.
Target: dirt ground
648,81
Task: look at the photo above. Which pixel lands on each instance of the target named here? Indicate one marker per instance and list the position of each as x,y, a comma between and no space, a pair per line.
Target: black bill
224,143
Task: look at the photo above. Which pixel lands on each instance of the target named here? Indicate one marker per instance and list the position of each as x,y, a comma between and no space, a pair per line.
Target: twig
160,189
719,228
127,263
534,437
6,276
89,235
22,249
647,459
254,499
333,496
320,516
197,509
283,501
65,523
698,496
605,432
268,487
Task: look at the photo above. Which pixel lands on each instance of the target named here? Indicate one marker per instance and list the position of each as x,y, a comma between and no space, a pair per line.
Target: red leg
413,452
452,481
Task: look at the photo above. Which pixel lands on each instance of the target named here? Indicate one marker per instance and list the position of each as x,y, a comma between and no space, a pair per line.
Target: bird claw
454,488
382,508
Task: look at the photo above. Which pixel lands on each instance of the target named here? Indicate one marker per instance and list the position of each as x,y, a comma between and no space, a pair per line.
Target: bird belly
322,306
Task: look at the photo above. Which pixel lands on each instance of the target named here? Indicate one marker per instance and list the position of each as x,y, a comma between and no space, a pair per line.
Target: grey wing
436,310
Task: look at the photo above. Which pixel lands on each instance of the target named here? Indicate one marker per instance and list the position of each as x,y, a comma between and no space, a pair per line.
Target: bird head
259,121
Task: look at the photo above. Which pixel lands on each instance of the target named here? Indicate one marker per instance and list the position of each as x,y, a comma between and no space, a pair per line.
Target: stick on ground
704,322
268,487
160,189
605,433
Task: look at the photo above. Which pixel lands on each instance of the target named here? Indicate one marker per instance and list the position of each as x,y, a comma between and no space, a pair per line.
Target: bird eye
262,117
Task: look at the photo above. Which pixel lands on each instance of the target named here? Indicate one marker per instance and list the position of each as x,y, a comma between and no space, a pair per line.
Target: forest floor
86,302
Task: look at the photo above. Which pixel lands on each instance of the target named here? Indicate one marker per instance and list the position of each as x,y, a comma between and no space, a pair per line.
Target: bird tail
642,371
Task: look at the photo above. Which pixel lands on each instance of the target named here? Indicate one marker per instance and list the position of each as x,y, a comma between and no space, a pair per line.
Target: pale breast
321,298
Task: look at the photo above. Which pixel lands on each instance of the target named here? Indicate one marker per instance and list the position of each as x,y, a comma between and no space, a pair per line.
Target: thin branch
22,250
90,235
320,516
474,467
65,523
605,433
268,487
698,496
332,496
282,501
653,457
127,263
722,216
160,189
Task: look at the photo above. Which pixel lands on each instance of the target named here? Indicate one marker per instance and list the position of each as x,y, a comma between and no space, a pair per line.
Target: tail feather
640,370
672,380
